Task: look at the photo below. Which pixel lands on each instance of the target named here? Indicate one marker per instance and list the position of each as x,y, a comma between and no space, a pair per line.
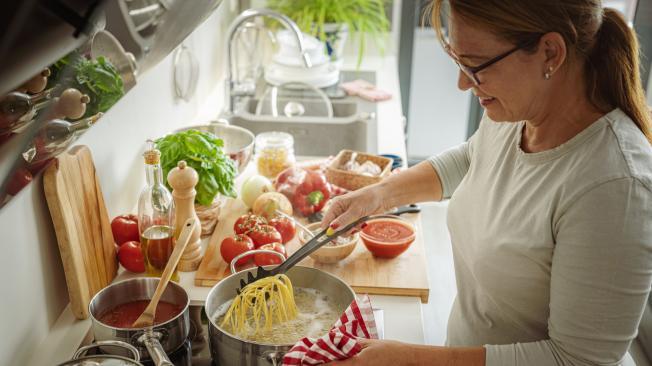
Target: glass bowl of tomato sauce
387,237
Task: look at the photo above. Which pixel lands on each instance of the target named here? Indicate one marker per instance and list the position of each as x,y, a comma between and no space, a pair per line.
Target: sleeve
451,166
600,280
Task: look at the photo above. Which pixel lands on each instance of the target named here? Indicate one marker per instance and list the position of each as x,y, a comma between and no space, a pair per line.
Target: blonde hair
598,37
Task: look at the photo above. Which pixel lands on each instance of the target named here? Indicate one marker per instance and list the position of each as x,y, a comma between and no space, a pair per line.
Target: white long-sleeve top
552,250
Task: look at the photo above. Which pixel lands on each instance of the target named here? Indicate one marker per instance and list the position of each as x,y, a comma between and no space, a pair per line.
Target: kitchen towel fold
365,90
340,343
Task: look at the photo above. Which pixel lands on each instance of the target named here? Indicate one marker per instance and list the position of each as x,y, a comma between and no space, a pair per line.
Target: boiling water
317,314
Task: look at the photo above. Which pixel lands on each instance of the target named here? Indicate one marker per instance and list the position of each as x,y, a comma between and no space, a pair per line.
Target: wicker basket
350,180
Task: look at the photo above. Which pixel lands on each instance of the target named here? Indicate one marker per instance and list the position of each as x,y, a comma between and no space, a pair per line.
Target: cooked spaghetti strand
260,305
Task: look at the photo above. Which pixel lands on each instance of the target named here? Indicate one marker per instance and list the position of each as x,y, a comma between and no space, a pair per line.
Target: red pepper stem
315,197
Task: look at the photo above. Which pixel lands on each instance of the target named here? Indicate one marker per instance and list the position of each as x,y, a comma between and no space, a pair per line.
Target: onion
253,187
268,203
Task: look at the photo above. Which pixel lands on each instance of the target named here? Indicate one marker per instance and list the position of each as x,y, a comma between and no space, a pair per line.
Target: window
627,7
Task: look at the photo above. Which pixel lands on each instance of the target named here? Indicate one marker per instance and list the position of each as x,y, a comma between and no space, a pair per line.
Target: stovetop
195,350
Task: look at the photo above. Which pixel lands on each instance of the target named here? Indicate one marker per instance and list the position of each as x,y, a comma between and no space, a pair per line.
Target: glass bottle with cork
156,217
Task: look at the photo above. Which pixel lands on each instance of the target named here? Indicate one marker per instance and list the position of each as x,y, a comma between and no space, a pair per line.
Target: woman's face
511,89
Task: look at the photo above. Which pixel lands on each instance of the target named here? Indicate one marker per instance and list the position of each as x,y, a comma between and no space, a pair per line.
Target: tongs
319,240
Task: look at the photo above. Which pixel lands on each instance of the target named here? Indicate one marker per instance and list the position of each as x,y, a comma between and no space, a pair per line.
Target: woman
550,211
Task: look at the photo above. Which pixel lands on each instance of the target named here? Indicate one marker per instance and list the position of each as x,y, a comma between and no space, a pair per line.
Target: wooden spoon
146,319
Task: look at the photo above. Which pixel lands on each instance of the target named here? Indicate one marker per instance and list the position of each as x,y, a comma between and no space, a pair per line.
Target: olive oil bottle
156,217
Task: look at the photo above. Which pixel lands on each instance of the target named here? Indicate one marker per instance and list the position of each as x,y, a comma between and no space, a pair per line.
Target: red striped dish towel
340,343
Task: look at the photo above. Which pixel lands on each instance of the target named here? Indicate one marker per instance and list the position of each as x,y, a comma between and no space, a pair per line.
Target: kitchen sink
353,125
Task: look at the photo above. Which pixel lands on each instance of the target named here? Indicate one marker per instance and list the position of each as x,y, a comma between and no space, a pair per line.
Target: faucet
233,28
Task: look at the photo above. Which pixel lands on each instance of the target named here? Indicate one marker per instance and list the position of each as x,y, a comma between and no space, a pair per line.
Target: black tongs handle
315,243
413,208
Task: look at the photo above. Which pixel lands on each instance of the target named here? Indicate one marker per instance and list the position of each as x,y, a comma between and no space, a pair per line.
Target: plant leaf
203,152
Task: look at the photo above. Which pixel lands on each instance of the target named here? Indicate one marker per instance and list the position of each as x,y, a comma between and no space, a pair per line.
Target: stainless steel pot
227,350
152,342
238,141
80,358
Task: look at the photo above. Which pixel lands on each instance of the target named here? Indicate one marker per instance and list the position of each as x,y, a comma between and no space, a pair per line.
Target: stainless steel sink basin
353,125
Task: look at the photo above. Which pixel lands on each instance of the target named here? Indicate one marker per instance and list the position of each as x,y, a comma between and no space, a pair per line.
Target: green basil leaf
203,152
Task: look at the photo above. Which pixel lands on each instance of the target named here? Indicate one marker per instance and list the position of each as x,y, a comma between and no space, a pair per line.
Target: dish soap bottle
156,217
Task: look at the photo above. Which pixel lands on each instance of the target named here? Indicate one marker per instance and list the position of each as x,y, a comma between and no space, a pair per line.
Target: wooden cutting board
404,275
82,226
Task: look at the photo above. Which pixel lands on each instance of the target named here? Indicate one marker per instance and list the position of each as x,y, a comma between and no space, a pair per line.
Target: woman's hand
420,183
349,207
378,353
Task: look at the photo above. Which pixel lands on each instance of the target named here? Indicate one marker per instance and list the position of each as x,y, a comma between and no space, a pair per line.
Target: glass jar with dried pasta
274,153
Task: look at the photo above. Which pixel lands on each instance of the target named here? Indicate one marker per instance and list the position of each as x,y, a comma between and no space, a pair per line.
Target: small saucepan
152,342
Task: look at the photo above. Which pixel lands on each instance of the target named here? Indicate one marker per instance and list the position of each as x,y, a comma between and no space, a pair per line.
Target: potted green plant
331,20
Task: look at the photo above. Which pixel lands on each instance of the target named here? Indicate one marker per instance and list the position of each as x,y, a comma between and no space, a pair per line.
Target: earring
548,74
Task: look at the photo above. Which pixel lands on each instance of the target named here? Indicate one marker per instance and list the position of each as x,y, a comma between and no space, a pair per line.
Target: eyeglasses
472,71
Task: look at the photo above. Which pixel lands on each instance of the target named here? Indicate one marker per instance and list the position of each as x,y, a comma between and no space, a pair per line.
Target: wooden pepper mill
183,180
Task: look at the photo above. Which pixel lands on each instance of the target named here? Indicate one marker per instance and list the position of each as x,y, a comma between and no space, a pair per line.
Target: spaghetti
260,305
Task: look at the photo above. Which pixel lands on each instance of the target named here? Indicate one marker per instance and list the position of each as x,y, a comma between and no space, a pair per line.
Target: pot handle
252,252
155,350
275,358
82,351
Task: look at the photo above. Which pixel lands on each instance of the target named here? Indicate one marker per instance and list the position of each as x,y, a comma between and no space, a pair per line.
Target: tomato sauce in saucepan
124,315
387,231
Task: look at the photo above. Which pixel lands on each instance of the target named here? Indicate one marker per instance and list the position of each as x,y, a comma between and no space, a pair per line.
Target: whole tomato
264,259
131,257
264,234
233,246
246,223
285,227
125,228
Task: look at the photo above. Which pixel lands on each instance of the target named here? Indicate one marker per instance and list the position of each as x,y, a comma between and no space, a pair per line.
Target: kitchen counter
402,315
402,320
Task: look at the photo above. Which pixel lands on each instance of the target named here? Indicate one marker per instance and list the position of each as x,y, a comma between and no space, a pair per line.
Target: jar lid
274,139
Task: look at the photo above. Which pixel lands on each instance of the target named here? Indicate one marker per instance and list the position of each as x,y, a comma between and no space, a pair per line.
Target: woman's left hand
378,353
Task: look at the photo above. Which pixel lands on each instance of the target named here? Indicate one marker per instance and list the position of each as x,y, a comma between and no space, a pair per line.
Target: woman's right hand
351,206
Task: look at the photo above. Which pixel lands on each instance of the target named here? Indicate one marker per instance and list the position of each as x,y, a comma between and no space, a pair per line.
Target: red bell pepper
311,195
308,190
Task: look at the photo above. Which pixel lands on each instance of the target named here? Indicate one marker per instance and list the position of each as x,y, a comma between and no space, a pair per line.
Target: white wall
33,284
438,110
